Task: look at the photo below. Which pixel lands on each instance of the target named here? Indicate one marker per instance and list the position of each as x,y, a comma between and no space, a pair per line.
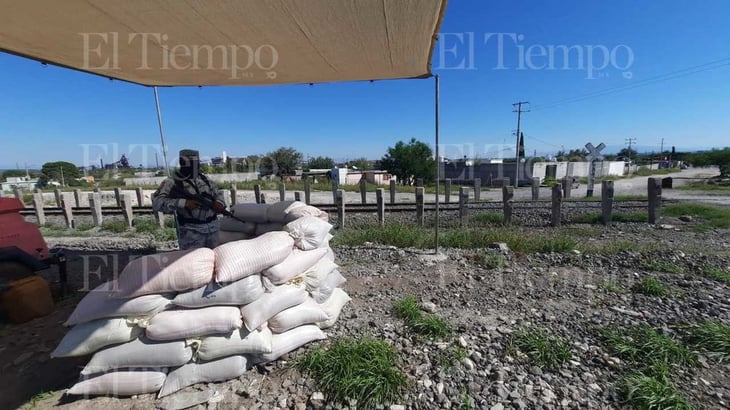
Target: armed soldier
197,203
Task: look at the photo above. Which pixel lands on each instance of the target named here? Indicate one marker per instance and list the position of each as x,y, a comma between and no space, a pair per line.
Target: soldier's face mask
190,166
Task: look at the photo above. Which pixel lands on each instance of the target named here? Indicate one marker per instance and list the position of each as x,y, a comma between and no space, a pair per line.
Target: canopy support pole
162,131
438,162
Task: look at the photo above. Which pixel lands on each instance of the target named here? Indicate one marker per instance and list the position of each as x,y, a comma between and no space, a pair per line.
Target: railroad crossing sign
594,154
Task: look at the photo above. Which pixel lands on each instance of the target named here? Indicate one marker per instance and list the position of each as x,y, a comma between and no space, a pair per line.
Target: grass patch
626,217
542,348
492,260
711,216
711,337
115,226
491,218
717,274
650,393
404,236
611,286
465,401
652,287
153,228
421,323
651,351
448,357
702,186
36,399
364,370
661,266
627,197
83,227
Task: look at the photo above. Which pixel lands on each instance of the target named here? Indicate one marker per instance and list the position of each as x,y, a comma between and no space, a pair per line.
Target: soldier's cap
187,153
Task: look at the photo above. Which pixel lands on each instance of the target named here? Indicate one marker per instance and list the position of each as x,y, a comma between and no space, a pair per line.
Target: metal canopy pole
162,131
438,161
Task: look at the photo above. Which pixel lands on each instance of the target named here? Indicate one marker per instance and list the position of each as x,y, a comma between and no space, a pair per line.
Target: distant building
25,183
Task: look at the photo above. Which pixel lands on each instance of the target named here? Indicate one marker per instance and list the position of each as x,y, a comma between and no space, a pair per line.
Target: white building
25,183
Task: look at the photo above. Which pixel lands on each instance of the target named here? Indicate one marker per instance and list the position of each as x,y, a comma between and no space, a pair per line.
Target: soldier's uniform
197,227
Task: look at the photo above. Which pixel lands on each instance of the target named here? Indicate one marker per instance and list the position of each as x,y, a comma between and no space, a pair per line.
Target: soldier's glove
218,207
191,204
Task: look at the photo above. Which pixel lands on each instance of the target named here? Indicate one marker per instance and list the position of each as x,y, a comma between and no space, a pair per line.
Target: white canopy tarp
227,42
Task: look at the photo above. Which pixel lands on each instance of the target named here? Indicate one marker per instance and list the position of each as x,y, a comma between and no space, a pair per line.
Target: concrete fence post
227,197
392,191
282,191
379,194
535,189
477,189
234,195
363,190
77,197
463,201
127,209
335,187
419,182
419,206
508,194
257,193
18,194
307,191
340,203
654,190
38,206
95,205
263,198
447,190
118,196
57,197
67,201
297,196
606,202
556,216
567,186
140,196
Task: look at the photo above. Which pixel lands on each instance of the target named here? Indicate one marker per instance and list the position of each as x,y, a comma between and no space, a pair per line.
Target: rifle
206,200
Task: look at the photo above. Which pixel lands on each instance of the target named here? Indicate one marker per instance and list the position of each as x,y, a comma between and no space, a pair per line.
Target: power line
652,80
519,112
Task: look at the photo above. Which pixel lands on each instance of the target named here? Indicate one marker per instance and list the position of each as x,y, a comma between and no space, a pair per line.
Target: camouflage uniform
198,227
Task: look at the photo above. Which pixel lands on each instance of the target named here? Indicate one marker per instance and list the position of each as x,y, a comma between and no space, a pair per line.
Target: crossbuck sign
594,154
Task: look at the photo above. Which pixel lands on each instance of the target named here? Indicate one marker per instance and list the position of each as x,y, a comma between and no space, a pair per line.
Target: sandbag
284,343
309,312
236,260
249,212
121,383
239,293
175,271
233,225
268,227
333,306
239,341
208,372
308,232
268,305
86,338
230,236
278,211
181,324
302,211
294,265
315,276
139,353
102,302
333,280
330,254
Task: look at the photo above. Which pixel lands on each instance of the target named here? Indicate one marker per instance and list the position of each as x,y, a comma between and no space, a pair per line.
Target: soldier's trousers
191,236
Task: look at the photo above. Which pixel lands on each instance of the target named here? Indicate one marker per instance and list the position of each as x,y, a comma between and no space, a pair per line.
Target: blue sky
49,113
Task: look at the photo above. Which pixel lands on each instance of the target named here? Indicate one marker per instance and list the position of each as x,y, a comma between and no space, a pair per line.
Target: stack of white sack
180,318
252,220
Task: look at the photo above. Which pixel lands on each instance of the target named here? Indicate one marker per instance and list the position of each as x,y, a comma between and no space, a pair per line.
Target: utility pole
63,182
661,150
519,112
630,141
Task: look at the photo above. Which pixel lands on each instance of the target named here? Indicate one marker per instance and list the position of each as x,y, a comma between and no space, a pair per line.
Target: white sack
264,308
294,265
251,212
284,343
268,227
208,372
182,324
230,236
140,352
333,306
314,277
240,341
333,280
102,302
86,338
233,225
278,211
236,260
175,271
239,293
122,383
308,232
306,313
330,254
302,211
